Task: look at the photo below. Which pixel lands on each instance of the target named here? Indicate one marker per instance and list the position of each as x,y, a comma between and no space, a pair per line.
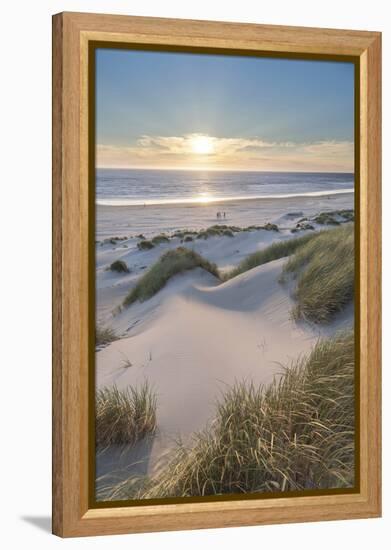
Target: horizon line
193,169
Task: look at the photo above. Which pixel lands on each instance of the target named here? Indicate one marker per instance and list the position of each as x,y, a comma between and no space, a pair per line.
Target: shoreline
163,218
202,201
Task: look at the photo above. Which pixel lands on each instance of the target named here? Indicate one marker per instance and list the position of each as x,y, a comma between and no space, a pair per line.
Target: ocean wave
214,200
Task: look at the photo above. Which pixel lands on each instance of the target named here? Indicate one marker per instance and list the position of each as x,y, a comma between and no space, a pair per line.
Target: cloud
229,153
183,144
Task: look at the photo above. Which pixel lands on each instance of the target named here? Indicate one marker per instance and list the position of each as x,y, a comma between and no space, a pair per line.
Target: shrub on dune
113,240
181,233
297,433
210,232
119,266
270,227
160,239
145,245
220,230
124,417
303,225
324,269
347,215
325,218
169,264
334,217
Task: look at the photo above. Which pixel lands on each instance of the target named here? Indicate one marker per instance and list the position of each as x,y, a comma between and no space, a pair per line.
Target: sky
190,111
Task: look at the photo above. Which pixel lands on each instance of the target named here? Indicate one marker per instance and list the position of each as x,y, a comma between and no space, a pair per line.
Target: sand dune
196,336
226,252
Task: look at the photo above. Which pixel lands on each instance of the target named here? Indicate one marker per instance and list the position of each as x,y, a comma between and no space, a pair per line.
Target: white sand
151,220
196,335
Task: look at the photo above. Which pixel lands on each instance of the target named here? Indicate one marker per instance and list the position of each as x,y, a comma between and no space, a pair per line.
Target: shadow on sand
116,463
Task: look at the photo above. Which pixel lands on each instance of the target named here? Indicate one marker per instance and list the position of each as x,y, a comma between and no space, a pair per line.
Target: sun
201,145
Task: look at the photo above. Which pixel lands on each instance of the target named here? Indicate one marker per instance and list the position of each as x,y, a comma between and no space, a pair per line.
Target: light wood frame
71,284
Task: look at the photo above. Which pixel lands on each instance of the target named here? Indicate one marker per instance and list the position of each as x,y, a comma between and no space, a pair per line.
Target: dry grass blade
124,417
324,269
104,335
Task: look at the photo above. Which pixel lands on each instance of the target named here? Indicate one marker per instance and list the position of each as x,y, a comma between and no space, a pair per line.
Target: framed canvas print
216,192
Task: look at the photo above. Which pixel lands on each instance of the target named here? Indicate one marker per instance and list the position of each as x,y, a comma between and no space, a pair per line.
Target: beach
198,335
225,275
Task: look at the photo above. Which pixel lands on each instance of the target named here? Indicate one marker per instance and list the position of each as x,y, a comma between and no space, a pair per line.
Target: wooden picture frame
73,283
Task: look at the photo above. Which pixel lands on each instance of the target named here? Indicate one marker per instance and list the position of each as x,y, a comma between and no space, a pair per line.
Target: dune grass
158,239
113,240
325,218
302,225
124,417
213,231
296,433
104,335
272,252
222,230
181,233
169,264
330,217
322,263
119,266
324,270
347,214
145,245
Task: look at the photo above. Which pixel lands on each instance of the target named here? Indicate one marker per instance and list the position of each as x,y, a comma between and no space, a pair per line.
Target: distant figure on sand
218,215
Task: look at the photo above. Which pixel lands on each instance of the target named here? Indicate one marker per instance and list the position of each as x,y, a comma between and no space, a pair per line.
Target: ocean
124,187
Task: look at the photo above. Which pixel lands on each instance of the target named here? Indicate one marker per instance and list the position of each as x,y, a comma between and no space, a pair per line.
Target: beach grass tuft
124,417
113,240
159,239
104,335
325,218
347,214
269,227
119,266
324,270
222,230
272,252
145,245
296,433
334,217
169,264
181,233
303,225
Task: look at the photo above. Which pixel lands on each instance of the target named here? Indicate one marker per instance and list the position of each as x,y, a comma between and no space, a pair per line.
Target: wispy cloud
229,153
